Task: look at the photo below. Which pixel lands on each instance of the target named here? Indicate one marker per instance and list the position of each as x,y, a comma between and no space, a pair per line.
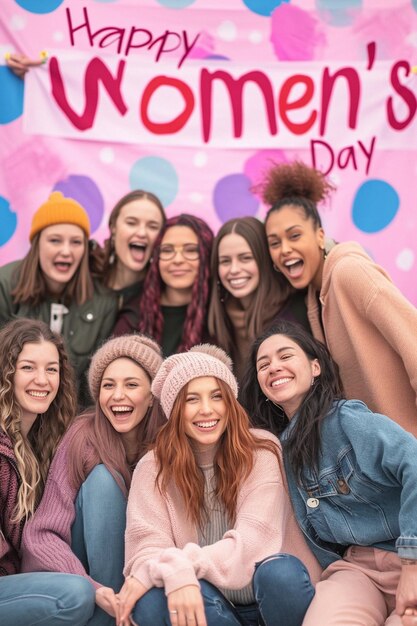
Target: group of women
170,500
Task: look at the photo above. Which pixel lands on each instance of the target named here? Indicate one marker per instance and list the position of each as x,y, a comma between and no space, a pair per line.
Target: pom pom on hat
218,353
59,210
141,349
177,370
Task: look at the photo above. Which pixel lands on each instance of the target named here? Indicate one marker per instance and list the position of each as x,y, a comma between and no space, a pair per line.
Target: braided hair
151,320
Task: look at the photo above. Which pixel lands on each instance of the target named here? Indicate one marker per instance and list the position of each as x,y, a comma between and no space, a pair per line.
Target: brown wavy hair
298,184
100,256
31,287
266,301
233,460
33,453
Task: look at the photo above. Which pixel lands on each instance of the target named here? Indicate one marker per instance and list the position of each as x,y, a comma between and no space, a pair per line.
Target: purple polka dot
85,191
295,34
232,197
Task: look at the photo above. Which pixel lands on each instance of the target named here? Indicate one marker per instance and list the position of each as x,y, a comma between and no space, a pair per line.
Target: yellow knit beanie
59,210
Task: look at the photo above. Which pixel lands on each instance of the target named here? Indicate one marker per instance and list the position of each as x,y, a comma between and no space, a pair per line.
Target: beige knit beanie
177,370
139,348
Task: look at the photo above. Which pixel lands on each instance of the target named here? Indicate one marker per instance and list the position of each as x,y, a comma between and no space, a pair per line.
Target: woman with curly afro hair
173,307
353,306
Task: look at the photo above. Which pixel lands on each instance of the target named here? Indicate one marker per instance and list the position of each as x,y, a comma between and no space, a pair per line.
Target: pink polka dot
295,34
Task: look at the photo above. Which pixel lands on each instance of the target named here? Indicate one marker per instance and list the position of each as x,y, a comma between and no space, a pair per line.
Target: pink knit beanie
177,370
139,348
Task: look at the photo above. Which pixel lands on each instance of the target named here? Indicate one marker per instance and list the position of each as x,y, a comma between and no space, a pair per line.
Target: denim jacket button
313,503
343,487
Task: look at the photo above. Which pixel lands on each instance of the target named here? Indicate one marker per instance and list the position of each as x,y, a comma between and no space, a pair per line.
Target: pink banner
224,105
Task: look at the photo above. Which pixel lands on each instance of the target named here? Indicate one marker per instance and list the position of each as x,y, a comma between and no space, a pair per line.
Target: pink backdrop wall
376,200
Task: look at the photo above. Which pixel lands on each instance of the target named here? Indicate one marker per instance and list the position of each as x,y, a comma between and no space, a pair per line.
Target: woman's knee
100,480
280,571
77,598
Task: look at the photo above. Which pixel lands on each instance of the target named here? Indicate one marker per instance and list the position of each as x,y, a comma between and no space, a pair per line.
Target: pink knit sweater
10,532
46,544
370,329
161,542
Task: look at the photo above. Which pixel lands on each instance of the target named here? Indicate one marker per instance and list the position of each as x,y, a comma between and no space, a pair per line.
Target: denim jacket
365,490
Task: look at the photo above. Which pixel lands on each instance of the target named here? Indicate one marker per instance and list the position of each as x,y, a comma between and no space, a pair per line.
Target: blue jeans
45,599
282,589
98,533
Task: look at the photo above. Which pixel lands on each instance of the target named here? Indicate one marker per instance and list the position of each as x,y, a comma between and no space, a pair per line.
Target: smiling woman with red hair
207,508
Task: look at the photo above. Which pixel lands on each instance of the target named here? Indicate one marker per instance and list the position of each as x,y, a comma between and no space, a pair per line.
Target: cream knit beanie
139,348
177,370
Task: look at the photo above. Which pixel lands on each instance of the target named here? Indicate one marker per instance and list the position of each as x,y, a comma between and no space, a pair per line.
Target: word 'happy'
124,40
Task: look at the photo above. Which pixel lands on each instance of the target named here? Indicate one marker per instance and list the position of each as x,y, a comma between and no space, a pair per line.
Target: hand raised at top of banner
20,63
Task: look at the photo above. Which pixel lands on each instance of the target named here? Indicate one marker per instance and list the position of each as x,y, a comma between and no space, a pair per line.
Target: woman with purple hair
173,307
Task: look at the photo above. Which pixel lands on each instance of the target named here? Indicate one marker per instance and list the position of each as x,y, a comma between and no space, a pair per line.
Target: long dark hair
269,297
150,312
302,446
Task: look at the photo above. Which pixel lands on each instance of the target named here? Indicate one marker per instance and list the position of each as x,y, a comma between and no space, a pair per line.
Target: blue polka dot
39,6
375,205
84,190
263,7
337,13
176,4
8,221
232,197
156,175
11,95
414,4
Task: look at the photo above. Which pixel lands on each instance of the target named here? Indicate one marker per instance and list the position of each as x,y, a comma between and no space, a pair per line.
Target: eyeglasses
189,251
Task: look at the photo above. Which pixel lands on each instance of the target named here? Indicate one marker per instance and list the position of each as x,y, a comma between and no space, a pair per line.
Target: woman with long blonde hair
207,507
37,402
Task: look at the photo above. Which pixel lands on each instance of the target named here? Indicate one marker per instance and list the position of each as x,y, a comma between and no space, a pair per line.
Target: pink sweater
10,532
46,544
161,542
370,329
